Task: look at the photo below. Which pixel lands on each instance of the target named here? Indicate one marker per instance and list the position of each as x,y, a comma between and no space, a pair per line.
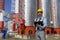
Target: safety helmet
39,10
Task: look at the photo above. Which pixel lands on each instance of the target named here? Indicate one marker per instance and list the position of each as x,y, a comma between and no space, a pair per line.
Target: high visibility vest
39,21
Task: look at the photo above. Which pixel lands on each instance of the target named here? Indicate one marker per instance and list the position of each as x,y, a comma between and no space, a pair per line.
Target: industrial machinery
25,30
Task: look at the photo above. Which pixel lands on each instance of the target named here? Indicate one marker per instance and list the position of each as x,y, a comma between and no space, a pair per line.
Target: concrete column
30,11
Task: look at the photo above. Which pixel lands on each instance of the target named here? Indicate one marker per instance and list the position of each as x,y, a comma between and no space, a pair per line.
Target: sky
7,5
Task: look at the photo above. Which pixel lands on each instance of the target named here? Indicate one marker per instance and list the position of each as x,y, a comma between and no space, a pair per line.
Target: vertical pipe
21,8
53,3
16,14
16,10
39,3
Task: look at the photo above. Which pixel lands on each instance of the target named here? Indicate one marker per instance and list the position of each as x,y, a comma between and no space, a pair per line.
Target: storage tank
46,6
58,13
30,11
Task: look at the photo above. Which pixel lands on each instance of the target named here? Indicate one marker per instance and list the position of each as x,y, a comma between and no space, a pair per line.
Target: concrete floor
49,37
53,37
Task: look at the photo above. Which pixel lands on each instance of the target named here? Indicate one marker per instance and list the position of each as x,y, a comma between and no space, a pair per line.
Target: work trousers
40,35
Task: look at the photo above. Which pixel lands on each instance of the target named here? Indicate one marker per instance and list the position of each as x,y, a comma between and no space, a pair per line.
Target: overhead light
51,22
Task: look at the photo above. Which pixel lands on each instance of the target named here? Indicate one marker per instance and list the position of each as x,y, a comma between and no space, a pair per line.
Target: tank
46,6
30,11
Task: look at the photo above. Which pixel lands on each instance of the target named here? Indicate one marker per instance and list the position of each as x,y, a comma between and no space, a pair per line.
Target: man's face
40,14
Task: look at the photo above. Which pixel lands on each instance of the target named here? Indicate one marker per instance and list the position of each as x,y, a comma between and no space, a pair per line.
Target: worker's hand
38,25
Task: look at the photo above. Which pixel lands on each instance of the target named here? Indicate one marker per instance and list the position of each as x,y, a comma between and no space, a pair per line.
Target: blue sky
7,5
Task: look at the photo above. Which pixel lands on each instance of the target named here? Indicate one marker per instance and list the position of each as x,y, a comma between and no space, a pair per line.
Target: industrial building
27,9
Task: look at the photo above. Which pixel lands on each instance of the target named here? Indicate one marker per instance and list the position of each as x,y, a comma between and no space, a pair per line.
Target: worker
4,32
40,24
5,29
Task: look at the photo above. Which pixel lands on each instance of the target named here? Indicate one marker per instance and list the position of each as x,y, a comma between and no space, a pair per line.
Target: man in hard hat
40,24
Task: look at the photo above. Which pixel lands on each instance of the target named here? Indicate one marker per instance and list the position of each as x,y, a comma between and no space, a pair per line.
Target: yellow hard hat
40,10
